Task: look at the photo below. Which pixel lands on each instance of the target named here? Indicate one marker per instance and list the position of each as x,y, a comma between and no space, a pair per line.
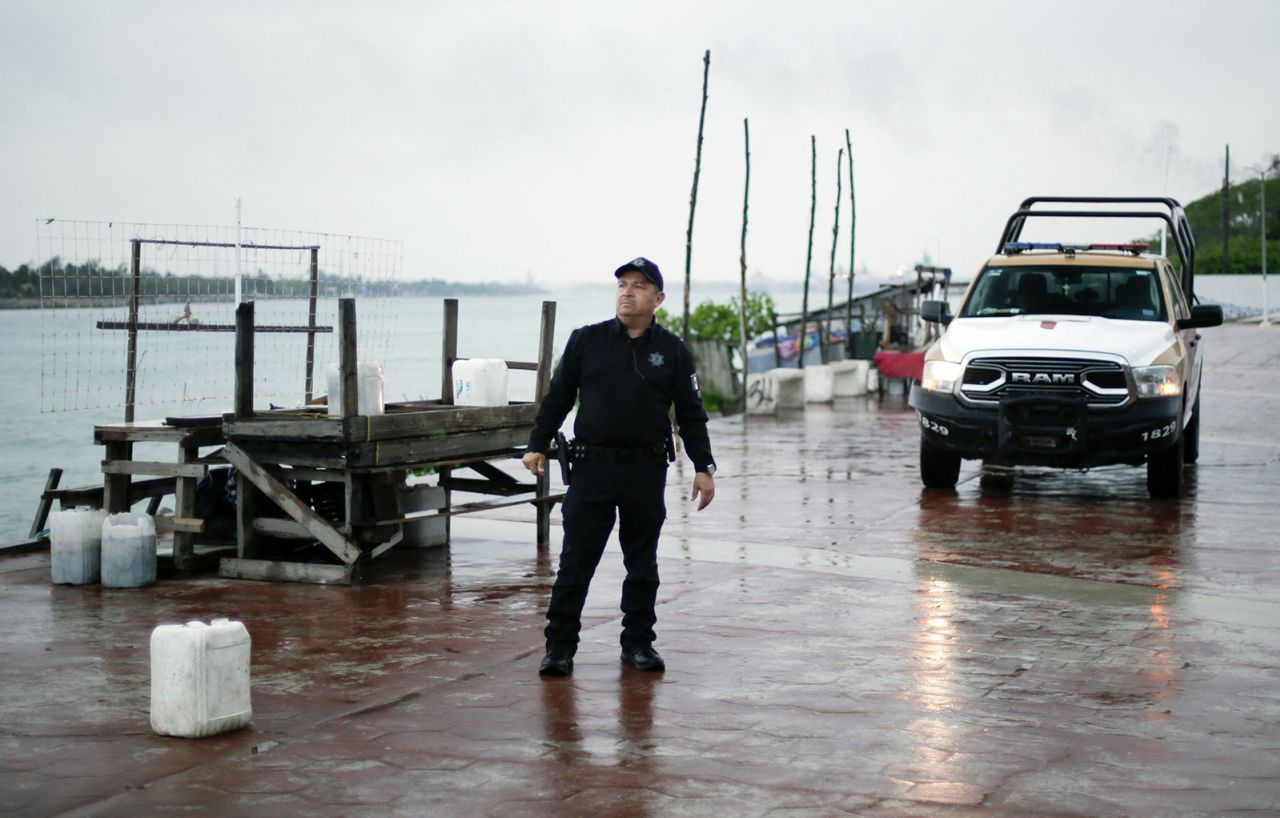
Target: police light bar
1128,248
1011,247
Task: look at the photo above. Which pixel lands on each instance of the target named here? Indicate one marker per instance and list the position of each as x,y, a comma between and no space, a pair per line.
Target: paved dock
838,641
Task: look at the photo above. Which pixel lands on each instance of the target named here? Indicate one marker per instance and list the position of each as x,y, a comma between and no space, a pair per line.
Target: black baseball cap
643,266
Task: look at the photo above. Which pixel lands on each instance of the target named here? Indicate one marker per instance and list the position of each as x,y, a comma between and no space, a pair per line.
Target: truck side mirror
1202,315
935,312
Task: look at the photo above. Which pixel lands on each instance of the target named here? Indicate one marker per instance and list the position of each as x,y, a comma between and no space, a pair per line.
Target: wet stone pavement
838,642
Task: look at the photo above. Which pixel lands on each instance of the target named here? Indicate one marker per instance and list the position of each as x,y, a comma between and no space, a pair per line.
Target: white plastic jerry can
128,550
75,545
200,678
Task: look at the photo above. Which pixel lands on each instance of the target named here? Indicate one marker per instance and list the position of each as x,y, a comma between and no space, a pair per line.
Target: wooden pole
808,261
450,351
831,277
742,263
313,291
131,364
853,223
244,360
693,199
546,349
546,342
348,365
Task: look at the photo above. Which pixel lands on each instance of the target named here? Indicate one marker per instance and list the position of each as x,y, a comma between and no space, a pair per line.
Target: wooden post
693,199
808,261
131,363
742,265
184,501
449,355
115,486
831,278
244,360
312,293
853,224
546,349
248,498
42,510
348,365
450,350
546,341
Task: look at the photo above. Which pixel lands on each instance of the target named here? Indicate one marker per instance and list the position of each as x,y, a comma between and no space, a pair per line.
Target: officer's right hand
535,462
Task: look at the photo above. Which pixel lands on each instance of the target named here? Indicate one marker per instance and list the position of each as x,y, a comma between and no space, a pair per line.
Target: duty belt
581,451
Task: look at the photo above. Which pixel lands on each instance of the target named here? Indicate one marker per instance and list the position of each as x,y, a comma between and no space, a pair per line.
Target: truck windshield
1108,292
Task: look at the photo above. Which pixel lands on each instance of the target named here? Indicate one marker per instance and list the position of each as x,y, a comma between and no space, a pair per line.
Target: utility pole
1226,208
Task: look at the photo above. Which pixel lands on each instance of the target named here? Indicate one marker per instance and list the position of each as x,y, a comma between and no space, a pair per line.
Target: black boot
557,662
643,658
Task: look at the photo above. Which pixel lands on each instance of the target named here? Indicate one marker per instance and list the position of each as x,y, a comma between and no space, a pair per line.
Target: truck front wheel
1164,469
939,468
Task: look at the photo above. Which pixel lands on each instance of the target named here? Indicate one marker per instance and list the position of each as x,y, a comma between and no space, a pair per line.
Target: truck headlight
940,376
1157,382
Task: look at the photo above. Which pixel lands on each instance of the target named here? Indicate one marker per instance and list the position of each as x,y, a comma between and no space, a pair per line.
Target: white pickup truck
1069,356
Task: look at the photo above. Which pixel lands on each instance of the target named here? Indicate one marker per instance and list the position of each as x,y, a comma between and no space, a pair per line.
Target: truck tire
1164,470
1191,452
939,468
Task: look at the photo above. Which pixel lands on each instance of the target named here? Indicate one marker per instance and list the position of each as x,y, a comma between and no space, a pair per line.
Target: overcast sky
499,139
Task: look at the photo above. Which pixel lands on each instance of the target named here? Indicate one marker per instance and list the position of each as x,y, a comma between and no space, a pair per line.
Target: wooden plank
492,472
188,525
155,433
153,468
307,428
25,546
288,502
489,486
295,454
470,508
286,529
415,450
444,420
46,502
302,473
280,571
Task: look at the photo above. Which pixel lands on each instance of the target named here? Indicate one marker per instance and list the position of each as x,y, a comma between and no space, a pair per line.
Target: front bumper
1048,431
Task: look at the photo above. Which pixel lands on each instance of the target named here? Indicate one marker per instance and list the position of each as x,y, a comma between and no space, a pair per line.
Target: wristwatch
710,470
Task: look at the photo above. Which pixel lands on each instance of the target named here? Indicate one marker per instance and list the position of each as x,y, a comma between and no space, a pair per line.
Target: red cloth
900,364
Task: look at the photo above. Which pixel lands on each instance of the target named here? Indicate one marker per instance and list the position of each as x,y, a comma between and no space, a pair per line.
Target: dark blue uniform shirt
626,387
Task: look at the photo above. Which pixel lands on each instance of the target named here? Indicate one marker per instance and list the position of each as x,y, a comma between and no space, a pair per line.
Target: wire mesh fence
144,314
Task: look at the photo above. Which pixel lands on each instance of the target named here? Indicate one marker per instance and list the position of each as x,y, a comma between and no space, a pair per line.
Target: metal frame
1183,240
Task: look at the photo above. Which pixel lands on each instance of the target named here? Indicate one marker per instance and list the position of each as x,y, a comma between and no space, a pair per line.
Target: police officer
625,373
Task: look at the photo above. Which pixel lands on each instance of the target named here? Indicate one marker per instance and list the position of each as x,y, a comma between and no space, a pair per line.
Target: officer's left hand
705,485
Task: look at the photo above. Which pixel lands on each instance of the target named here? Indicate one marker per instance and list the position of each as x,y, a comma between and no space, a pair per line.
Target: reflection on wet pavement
838,640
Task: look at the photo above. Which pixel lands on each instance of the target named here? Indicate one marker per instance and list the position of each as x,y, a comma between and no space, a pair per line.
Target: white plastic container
429,532
75,545
200,678
480,382
128,550
369,390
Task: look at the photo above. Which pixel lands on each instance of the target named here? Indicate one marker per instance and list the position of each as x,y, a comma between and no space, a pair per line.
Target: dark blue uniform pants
599,494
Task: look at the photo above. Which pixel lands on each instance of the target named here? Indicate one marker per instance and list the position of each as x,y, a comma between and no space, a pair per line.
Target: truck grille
1098,383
